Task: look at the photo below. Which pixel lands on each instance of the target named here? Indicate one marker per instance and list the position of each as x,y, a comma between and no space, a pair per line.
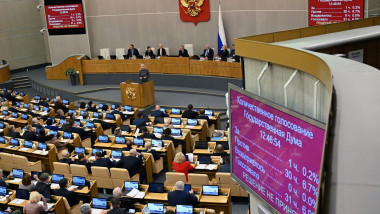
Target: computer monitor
48,99
22,94
62,121
77,123
2,140
79,181
67,135
90,125
100,105
37,97
204,159
18,104
116,154
113,107
36,107
15,142
138,141
3,191
65,102
54,132
45,109
55,178
54,99
119,139
158,130
129,185
22,194
28,144
82,113
127,108
103,139
14,114
176,132
18,173
52,119
5,112
156,187
184,209
42,146
125,128
192,122
26,105
212,190
110,116
24,116
2,125
95,115
156,143
176,121
80,150
71,111
156,208
99,203
96,150
208,112
35,173
176,111
187,187
162,109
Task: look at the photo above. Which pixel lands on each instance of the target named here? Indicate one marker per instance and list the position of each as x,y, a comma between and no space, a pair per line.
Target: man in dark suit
69,195
43,185
146,134
161,51
208,53
66,158
29,111
60,114
82,133
116,209
159,113
36,123
82,160
126,203
233,55
132,51
103,162
132,163
182,52
91,107
139,121
189,113
179,196
13,108
9,95
226,166
29,134
117,111
203,116
12,132
43,102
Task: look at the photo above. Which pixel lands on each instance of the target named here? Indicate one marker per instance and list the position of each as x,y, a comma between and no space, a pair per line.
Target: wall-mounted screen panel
323,12
65,17
276,153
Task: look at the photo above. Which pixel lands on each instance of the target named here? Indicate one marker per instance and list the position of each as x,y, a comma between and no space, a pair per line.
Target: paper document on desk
211,166
137,132
54,186
72,187
92,158
107,121
133,193
96,211
201,166
11,118
43,113
37,151
3,198
128,112
23,149
1,130
65,140
17,201
140,195
189,127
16,180
49,205
190,157
176,136
176,126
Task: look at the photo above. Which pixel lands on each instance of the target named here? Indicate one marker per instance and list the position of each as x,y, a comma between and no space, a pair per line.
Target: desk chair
62,168
197,180
173,177
190,49
167,51
21,162
118,177
102,176
69,210
80,170
158,165
224,180
7,163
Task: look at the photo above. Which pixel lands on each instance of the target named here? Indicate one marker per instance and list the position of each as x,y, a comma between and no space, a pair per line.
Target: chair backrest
105,52
154,50
101,172
224,178
189,48
120,52
79,170
118,176
61,168
173,177
67,205
197,180
167,51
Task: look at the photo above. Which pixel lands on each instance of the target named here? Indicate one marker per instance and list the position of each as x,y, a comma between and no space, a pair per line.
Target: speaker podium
137,95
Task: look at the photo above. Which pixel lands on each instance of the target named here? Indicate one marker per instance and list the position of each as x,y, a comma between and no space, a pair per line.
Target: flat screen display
55,178
64,17
210,190
96,150
116,154
156,208
129,185
3,191
330,11
79,150
79,181
103,138
176,121
120,140
28,144
138,141
276,153
184,209
156,143
42,146
18,173
99,203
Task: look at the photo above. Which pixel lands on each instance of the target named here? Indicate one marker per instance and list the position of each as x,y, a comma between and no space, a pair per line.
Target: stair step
24,86
22,77
21,80
21,83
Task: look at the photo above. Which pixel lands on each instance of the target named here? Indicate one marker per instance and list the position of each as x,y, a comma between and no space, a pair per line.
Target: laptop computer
99,203
65,102
67,135
62,121
156,187
55,178
2,125
176,111
116,154
113,107
18,173
71,111
192,122
95,115
42,146
82,113
158,130
119,140
45,109
130,185
2,140
127,108
37,97
24,116
54,132
14,114
110,116
14,142
203,159
208,113
176,121
90,125
156,143
176,132
138,141
184,209
28,144
96,150
80,150
103,139
156,208
3,191
79,181
212,190
22,194
125,128
201,145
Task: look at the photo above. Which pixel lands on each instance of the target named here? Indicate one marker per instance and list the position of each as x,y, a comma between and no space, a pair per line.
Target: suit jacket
210,54
159,52
147,135
3,184
135,53
43,103
183,53
12,109
30,135
43,188
138,122
9,96
13,134
189,114
159,113
204,117
66,160
224,55
155,154
232,53
59,105
168,137
30,113
118,210
103,162
181,197
150,54
123,117
69,195
132,164
60,116
92,109
144,73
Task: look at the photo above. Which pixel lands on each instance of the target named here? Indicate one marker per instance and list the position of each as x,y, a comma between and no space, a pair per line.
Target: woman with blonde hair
181,165
32,207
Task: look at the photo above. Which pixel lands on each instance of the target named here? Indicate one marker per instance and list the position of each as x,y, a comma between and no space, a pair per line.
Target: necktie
206,53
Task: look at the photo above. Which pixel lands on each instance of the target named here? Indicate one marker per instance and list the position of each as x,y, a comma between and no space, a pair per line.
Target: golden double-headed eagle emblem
192,7
131,92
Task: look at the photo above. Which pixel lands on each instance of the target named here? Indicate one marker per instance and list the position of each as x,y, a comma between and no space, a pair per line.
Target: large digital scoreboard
65,17
330,11
276,153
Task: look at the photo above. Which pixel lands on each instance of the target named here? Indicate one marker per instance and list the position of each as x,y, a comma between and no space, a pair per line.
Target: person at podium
143,74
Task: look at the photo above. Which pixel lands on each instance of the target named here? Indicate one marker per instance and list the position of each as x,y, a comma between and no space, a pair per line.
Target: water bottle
34,146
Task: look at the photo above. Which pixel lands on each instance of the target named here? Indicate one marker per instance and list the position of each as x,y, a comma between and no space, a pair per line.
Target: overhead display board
330,11
276,154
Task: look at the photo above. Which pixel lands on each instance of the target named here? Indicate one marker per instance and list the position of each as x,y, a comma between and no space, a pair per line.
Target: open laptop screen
129,185
156,208
99,203
184,209
176,121
79,181
55,178
210,190
156,187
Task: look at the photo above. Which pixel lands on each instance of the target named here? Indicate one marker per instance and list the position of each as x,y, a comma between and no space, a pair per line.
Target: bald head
117,192
179,185
133,152
158,107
